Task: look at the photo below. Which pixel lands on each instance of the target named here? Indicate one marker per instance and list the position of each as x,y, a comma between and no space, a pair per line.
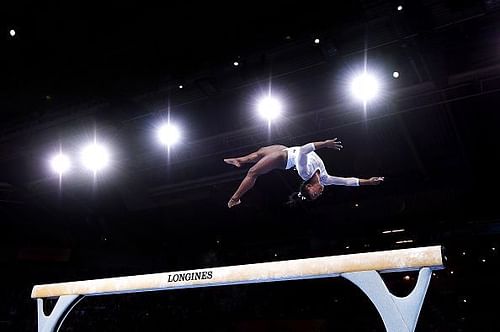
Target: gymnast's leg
273,160
254,156
248,159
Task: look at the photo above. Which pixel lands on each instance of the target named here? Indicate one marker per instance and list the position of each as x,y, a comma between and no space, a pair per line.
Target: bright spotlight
181,86
400,8
168,134
12,32
60,163
364,87
395,74
95,157
236,63
316,41
269,108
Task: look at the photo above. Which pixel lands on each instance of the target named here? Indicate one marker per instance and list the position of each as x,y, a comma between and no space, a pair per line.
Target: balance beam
398,314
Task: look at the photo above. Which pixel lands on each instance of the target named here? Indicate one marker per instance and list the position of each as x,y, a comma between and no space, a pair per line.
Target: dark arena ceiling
78,70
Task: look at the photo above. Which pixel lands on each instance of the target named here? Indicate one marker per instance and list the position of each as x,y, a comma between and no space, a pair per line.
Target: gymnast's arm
329,143
352,182
310,147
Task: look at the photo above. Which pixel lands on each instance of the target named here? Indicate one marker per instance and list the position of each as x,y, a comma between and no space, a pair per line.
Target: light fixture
365,87
95,157
393,231
168,134
60,163
404,241
269,108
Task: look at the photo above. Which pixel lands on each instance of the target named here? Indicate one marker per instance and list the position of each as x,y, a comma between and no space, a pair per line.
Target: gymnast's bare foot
233,202
232,161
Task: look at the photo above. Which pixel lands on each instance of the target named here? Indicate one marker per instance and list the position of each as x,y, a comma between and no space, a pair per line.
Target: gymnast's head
309,191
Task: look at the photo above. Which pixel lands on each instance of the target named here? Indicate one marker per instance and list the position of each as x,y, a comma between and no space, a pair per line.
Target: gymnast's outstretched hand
333,144
376,180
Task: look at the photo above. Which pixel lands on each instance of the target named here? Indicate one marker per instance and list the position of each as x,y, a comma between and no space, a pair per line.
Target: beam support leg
398,313
53,321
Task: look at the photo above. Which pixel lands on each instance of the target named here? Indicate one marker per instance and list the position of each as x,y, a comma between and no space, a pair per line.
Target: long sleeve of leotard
328,180
307,165
304,168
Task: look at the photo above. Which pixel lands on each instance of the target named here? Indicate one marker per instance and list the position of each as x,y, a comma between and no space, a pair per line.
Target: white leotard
307,162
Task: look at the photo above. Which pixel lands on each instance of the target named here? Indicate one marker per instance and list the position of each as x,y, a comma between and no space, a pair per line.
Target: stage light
269,108
181,86
236,63
393,231
168,134
400,8
12,32
316,41
95,157
365,87
60,163
404,241
395,74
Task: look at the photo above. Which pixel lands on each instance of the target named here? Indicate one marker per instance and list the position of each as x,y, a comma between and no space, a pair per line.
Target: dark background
78,68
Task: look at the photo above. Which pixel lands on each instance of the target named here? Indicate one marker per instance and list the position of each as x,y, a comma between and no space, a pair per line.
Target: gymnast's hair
300,196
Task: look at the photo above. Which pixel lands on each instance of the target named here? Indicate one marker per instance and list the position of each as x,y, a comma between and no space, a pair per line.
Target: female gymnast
307,163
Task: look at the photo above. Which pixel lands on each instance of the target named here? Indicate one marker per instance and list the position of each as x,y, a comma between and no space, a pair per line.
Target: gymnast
308,164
